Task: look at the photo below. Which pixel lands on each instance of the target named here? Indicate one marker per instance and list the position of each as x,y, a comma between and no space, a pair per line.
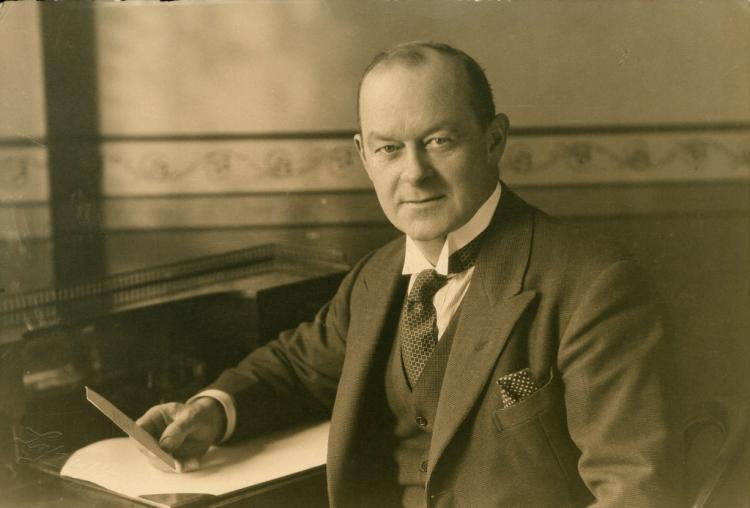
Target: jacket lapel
492,305
381,284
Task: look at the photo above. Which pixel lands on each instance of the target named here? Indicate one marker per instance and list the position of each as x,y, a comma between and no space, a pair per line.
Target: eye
387,149
438,142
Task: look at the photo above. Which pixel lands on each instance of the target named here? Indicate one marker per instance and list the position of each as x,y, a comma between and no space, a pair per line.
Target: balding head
417,53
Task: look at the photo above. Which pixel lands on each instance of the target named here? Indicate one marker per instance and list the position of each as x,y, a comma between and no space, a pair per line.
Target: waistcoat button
421,421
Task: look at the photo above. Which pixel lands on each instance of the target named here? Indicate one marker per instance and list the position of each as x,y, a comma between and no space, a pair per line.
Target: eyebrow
447,126
376,136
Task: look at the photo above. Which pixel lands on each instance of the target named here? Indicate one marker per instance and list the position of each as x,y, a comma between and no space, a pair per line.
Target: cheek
385,190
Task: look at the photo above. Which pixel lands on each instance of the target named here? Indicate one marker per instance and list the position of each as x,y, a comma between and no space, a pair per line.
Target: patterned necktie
417,328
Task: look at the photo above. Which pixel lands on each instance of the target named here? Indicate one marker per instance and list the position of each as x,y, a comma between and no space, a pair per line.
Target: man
492,357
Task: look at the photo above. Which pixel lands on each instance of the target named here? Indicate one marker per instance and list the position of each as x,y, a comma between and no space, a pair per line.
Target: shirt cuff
227,402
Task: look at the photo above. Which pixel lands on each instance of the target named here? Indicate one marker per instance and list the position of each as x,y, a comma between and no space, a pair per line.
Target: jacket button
423,466
422,421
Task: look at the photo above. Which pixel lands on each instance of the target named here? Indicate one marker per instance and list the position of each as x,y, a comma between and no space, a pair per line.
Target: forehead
397,93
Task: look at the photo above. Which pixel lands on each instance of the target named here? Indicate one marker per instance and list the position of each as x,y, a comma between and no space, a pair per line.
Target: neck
431,249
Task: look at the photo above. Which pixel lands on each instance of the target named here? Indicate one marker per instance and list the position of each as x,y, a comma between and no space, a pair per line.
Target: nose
416,167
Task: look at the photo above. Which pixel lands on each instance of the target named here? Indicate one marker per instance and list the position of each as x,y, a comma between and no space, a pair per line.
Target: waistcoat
413,411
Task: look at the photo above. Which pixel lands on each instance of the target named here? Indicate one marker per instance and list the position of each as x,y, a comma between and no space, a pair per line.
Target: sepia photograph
376,253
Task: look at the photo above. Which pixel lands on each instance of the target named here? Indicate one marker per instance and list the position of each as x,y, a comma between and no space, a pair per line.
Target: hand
185,430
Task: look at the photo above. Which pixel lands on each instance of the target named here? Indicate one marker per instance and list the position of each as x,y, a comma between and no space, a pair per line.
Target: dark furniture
141,338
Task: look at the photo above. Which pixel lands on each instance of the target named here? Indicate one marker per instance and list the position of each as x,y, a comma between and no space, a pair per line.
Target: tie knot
465,257
427,283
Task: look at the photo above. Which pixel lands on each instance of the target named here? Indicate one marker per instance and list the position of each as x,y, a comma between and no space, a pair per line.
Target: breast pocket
548,396
533,448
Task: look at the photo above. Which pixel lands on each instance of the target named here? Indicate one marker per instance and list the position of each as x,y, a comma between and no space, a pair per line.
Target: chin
426,234
427,226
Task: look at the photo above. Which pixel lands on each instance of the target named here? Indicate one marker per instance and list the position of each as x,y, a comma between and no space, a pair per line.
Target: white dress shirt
449,297
446,300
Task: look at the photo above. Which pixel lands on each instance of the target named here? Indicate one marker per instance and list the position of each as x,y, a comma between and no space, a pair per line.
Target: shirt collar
414,260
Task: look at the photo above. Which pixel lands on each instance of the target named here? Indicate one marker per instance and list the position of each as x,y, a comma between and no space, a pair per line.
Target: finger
155,420
186,466
177,431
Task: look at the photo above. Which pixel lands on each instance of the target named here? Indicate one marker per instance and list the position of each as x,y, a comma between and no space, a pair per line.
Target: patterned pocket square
516,386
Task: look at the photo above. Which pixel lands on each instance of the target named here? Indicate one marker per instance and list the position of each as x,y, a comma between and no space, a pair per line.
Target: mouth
423,201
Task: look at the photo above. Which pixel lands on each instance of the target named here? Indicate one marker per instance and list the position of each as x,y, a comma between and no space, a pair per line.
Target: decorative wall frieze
209,167
23,174
626,159
257,166
149,168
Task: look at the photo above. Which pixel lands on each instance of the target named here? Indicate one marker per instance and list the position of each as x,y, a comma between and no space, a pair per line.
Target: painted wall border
270,165
327,162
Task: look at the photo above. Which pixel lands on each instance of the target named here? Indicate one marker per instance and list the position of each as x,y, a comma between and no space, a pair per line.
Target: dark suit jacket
544,296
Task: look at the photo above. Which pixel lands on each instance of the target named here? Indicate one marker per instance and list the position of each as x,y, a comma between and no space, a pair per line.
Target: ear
497,134
361,151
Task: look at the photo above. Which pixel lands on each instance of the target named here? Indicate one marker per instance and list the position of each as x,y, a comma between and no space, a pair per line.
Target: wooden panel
361,208
240,211
640,200
21,221
131,250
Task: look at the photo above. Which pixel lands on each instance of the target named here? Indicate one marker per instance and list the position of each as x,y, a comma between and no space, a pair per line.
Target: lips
422,201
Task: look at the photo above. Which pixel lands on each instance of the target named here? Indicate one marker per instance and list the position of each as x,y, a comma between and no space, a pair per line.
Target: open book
119,466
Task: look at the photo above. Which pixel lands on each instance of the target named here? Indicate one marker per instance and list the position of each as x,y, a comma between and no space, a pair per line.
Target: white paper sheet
118,465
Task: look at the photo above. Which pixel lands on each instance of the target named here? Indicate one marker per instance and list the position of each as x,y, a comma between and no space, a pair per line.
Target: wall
25,255
253,101
293,66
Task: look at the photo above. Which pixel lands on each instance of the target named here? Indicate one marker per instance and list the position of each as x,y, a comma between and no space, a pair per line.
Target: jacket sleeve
294,377
615,366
